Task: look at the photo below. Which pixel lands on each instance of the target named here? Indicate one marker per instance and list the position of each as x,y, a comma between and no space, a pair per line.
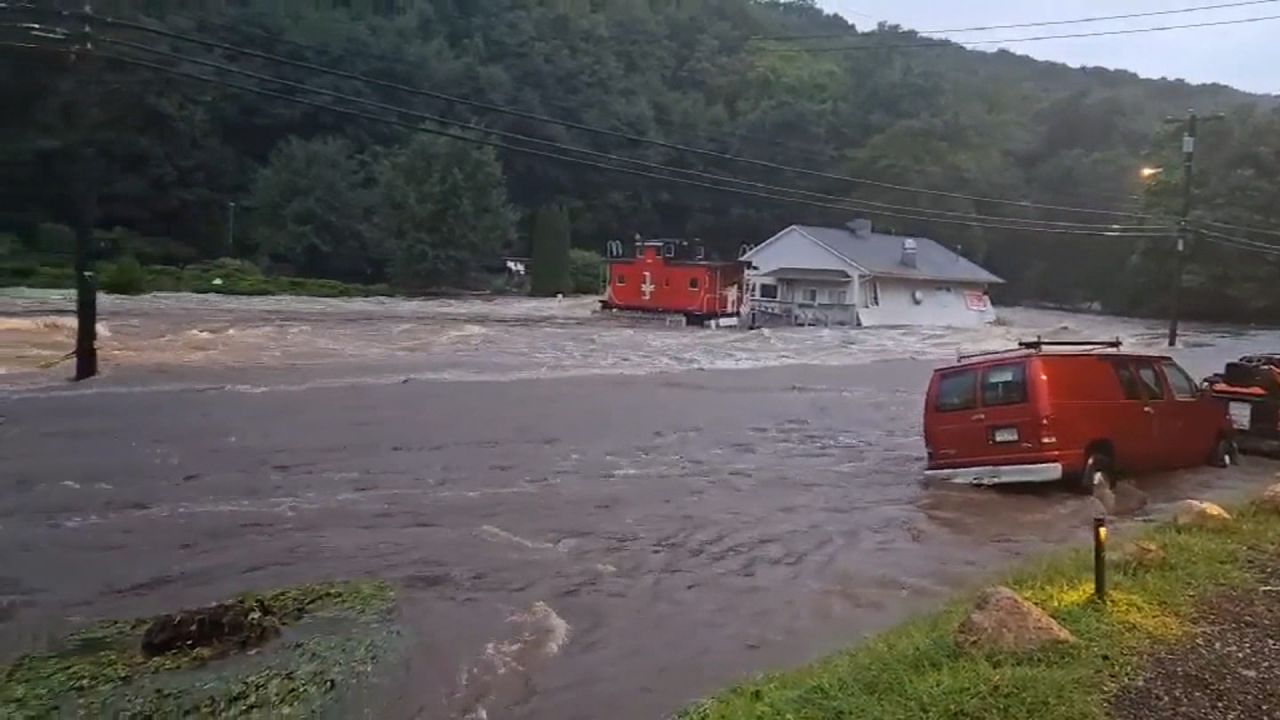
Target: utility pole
1192,123
85,202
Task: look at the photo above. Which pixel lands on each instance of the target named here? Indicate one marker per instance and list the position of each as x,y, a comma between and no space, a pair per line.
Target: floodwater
585,517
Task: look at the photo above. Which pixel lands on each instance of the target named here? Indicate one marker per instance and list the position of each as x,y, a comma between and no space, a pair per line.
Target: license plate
1005,435
1241,414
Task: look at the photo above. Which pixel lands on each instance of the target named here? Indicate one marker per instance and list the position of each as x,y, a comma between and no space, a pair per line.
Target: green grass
916,672
222,277
337,632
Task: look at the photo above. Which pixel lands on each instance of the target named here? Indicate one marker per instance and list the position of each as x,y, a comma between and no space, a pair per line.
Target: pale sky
1245,56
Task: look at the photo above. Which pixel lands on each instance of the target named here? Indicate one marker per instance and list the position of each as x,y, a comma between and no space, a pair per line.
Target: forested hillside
337,196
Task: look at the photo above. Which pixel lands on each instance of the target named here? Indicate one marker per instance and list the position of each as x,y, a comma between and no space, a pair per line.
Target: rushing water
585,517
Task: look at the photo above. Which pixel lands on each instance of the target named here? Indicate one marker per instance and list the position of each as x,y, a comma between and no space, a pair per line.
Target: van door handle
978,417
1149,410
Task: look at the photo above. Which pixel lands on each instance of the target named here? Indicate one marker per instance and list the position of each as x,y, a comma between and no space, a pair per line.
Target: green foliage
54,239
321,195
586,271
551,272
124,277
442,207
339,630
312,210
916,671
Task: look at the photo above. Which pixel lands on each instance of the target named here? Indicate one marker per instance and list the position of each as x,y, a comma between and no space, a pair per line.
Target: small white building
808,275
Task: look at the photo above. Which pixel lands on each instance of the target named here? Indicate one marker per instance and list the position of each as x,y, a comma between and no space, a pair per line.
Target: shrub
55,239
585,271
125,277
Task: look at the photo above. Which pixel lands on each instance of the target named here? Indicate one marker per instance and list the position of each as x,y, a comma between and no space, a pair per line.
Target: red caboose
663,278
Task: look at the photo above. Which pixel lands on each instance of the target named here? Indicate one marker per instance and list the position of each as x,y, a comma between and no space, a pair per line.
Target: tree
551,243
442,206
311,209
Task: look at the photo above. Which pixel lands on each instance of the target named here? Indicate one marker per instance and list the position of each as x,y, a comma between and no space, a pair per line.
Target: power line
568,123
1239,228
1043,23
1254,244
1273,252
1035,38
863,205
549,155
805,150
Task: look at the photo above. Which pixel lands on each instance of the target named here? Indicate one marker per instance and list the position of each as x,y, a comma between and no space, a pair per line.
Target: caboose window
693,283
622,279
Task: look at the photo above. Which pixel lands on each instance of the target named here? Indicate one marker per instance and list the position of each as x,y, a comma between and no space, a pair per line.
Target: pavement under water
603,520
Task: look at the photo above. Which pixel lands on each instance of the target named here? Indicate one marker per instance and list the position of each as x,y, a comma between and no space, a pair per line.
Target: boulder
1129,498
1271,497
1004,622
227,626
1200,514
1141,553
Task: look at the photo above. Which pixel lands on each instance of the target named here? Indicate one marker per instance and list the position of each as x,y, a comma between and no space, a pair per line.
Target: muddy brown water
589,545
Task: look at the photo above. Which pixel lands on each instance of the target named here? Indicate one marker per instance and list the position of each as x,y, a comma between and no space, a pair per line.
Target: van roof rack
1039,344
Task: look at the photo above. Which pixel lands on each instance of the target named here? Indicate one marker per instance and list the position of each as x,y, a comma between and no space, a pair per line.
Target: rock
233,625
1271,498
1105,497
1002,621
1129,498
1200,514
1141,553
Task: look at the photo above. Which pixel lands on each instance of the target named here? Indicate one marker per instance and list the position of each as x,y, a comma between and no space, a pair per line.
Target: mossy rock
308,645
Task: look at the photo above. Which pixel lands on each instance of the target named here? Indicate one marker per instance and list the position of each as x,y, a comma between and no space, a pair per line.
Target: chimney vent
909,252
861,227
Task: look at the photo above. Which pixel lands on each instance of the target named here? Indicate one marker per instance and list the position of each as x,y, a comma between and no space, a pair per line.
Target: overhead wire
165,69
249,52
1039,23
1242,243
859,205
1035,38
1238,228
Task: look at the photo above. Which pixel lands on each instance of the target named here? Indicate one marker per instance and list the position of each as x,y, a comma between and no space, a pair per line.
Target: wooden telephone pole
1184,223
85,204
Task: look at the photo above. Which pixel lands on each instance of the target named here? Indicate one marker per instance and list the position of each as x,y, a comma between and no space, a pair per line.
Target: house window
768,291
811,295
622,279
837,297
871,293
693,283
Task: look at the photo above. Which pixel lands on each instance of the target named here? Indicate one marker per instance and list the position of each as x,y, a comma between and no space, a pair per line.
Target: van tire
1097,468
1225,454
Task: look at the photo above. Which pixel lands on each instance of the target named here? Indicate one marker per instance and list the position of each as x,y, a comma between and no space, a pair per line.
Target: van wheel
1225,454
1097,471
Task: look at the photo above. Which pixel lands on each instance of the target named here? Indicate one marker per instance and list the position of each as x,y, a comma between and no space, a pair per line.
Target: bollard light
1100,557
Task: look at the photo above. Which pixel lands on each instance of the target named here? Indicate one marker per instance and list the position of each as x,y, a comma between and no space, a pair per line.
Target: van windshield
957,391
1004,385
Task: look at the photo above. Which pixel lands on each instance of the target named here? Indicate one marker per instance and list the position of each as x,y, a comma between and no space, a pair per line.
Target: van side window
957,391
1128,381
1004,385
1184,388
1150,381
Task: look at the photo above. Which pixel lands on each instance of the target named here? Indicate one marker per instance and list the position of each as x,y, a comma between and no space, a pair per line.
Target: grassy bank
916,672
226,277
324,642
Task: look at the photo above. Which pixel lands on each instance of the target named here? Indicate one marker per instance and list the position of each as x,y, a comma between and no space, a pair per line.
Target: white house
853,276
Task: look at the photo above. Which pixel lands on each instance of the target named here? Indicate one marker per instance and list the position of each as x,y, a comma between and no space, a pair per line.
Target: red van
1077,411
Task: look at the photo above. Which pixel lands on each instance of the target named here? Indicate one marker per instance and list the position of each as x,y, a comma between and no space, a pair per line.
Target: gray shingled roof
881,254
